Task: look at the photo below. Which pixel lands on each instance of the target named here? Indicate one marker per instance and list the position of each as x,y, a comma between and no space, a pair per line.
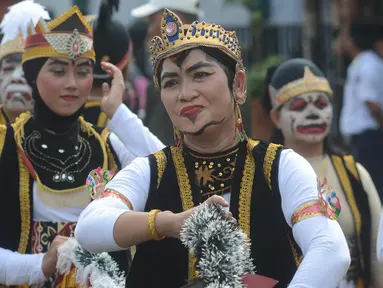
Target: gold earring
239,123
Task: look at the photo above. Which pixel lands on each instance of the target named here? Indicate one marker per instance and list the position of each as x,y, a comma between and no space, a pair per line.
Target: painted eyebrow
198,65
57,61
85,63
168,75
188,70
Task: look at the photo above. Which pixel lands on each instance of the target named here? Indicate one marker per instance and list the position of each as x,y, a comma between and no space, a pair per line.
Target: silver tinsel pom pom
222,251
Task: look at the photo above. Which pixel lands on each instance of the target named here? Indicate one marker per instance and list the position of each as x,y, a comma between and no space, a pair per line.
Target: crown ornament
12,46
68,36
177,37
309,83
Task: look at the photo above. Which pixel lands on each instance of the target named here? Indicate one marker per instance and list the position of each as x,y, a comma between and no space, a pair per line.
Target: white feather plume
18,18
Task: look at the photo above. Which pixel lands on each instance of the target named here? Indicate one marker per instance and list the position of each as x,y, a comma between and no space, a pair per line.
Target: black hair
111,43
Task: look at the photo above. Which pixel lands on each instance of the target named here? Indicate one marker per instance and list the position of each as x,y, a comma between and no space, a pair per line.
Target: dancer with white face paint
15,93
302,113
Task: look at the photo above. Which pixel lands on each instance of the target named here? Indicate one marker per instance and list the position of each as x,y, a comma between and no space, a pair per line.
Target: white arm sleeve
20,269
379,245
132,182
326,254
132,132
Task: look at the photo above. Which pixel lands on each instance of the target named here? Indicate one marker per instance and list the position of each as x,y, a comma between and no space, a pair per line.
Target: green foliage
257,74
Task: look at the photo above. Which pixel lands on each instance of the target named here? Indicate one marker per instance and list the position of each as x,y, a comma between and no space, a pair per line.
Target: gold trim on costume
161,165
102,117
186,195
271,152
49,51
25,209
115,194
309,83
111,161
307,210
351,166
3,132
246,190
66,15
346,184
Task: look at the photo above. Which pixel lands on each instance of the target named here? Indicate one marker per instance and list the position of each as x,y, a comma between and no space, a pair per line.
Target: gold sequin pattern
298,258
268,161
346,184
161,165
244,205
186,195
25,209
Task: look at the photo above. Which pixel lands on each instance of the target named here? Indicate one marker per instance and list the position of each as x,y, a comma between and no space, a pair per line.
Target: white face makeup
15,93
306,117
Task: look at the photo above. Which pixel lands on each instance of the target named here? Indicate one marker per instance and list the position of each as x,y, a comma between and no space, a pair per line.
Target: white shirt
321,239
364,83
129,139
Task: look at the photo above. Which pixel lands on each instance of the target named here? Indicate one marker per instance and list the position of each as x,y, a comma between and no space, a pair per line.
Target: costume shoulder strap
3,132
161,161
113,165
350,163
268,161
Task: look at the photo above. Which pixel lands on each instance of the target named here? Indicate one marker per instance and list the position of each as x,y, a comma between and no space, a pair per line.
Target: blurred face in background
306,117
16,94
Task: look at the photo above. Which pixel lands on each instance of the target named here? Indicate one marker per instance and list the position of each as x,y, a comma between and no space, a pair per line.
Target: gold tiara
177,37
68,36
309,83
12,46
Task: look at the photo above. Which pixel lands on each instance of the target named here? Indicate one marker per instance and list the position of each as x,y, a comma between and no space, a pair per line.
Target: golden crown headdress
12,46
177,37
309,83
68,36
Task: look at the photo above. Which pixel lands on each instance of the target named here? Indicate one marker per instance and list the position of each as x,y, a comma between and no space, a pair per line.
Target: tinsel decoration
97,270
222,251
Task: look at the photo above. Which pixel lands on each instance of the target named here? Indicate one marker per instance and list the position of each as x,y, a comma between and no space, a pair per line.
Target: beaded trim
115,194
271,152
186,195
161,165
244,205
307,210
25,209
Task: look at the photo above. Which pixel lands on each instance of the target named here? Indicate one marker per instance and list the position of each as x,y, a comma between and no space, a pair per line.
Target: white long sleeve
137,139
20,269
326,254
321,240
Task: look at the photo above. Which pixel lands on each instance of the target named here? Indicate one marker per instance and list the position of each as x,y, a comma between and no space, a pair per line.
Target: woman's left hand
112,96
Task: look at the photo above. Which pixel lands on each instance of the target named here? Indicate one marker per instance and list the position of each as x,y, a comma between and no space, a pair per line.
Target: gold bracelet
152,225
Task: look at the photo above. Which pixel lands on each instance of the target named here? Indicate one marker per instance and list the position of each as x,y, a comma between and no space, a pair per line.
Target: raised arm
326,254
124,123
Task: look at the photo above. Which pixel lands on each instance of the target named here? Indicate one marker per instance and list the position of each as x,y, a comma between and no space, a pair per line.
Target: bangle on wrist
152,225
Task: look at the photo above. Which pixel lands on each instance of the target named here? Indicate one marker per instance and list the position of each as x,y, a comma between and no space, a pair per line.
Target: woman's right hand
50,258
169,224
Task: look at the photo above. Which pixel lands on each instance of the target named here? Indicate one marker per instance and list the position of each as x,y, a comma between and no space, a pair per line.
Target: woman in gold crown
46,156
271,191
